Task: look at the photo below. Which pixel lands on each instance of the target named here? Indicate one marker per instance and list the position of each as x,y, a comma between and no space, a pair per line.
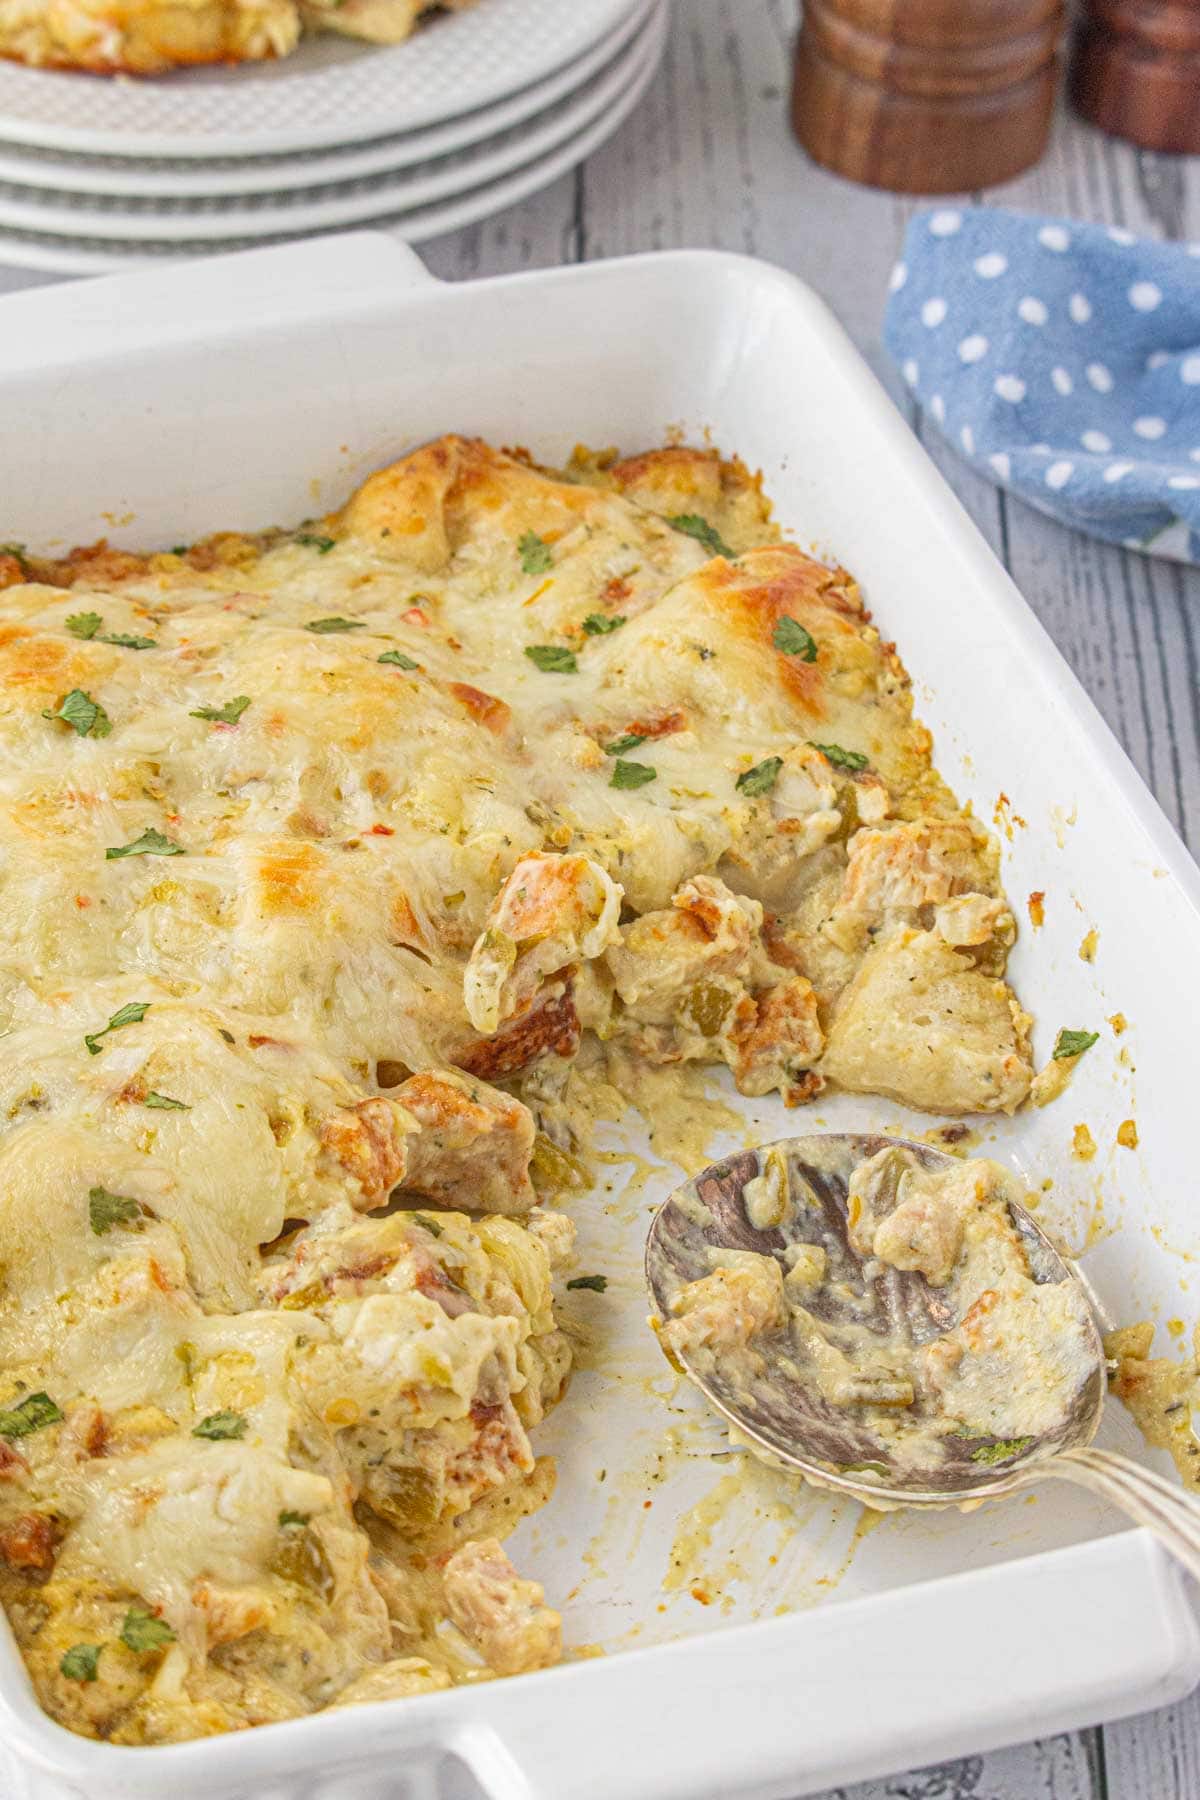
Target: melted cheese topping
308,839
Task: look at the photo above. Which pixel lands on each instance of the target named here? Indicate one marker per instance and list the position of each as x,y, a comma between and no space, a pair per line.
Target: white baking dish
154,407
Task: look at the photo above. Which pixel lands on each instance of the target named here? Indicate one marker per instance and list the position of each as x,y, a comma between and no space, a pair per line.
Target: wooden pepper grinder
1136,71
927,96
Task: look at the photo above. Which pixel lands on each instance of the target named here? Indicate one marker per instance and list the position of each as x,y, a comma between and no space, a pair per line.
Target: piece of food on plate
148,37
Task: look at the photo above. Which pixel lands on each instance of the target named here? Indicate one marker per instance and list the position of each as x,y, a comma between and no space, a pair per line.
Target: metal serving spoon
779,1414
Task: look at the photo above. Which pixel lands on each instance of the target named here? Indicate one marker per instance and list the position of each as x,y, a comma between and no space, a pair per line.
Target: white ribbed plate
63,254
202,222
332,91
202,178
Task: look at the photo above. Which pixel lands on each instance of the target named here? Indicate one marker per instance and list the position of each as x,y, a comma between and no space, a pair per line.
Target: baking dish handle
114,316
399,263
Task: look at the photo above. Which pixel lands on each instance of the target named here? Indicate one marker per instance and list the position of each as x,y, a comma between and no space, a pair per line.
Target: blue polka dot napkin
1063,360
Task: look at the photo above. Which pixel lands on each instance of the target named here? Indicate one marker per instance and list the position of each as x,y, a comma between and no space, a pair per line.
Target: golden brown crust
684,479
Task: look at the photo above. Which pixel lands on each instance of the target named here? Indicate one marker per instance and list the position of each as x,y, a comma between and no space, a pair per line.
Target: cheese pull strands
902,1331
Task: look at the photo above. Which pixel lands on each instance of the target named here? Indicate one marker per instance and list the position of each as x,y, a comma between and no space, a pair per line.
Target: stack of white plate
475,111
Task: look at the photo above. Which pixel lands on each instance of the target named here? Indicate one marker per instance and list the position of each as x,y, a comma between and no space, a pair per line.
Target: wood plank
1155,1757
1057,1768
536,234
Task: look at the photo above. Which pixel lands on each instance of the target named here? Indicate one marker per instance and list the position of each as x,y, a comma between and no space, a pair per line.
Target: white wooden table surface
707,160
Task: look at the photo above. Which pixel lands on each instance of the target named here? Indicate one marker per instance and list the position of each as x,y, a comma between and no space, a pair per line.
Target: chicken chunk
502,1615
474,1143
895,873
551,912
968,920
777,1049
923,1234
369,1141
920,1023
908,1218
663,957
395,1680
724,1310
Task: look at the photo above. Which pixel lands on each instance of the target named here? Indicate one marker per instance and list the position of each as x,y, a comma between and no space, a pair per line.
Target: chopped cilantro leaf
220,1425
322,545
535,553
399,659
34,1412
597,1283
761,778
151,843
84,625
229,714
841,759
693,525
1003,1450
327,625
165,1103
142,1631
619,745
1072,1043
292,1518
599,625
790,637
83,714
130,1014
79,1663
552,659
631,774
127,641
106,1210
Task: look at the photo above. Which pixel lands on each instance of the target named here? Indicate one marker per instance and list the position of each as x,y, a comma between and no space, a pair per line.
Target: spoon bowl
767,1398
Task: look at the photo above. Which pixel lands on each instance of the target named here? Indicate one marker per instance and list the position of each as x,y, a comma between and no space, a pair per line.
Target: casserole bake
760,363
691,813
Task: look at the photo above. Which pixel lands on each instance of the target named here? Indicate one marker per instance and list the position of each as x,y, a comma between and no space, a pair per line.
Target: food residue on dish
1160,1393
795,1330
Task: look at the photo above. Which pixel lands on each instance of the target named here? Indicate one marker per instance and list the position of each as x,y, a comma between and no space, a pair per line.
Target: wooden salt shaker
927,96
1136,71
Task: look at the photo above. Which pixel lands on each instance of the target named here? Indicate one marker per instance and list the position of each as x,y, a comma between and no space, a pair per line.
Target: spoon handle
1141,1494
